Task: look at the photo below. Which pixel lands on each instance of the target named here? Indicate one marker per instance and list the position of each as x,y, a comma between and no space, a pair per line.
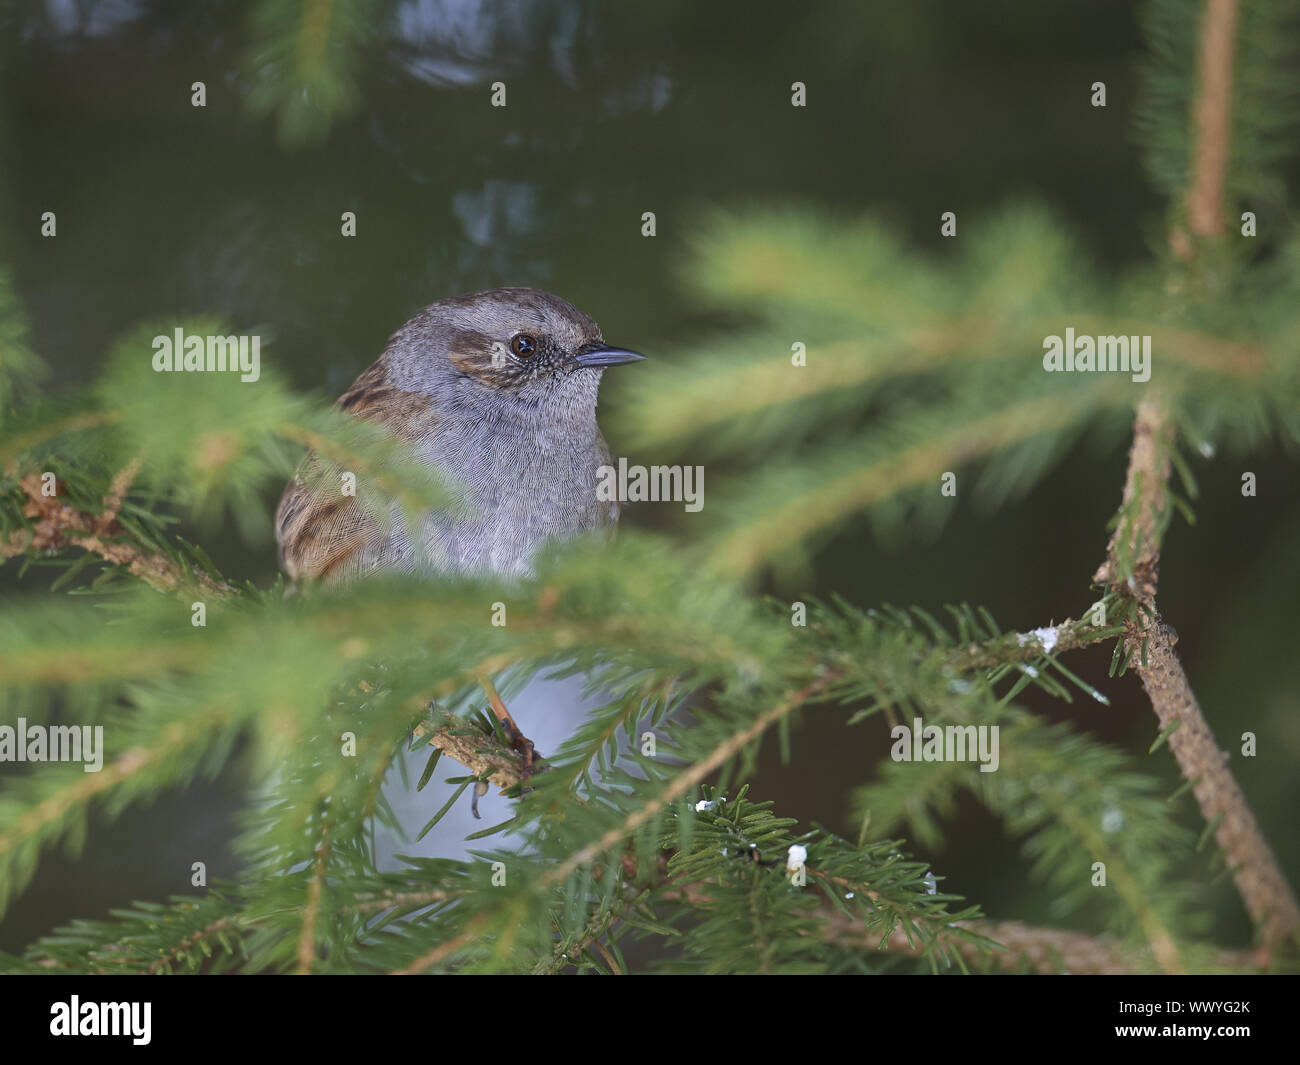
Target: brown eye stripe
371,397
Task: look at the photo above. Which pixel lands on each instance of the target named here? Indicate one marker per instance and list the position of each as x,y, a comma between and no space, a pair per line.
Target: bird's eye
523,345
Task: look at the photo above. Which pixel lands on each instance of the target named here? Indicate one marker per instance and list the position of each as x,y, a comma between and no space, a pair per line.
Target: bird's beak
603,355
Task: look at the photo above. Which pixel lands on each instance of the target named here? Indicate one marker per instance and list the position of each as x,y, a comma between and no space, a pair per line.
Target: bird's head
521,344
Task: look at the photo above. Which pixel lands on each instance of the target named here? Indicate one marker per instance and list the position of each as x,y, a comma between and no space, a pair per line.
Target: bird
496,391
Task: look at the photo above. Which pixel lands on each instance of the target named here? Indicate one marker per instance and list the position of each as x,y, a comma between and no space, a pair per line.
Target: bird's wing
324,534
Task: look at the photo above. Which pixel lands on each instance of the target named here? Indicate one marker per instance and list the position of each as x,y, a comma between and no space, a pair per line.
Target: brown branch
1150,641
1213,118
1042,950
1069,635
403,900
1263,888
443,950
1046,950
466,747
609,958
177,952
311,910
55,526
482,755
1132,562
1133,554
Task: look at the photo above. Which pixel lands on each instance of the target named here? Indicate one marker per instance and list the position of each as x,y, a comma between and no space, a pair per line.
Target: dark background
615,109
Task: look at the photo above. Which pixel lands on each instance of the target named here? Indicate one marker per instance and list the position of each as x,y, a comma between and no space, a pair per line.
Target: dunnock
497,391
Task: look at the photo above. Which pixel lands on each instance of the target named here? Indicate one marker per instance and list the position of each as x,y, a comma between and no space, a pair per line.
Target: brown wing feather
322,533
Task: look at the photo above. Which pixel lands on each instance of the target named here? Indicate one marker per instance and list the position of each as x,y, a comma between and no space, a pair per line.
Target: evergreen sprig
643,823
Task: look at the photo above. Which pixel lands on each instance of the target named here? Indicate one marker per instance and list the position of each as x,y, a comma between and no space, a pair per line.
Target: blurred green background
675,107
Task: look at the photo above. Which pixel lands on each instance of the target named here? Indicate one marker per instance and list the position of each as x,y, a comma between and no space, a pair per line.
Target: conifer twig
1262,886
56,525
1213,124
1132,561
209,931
467,748
690,777
311,909
1042,950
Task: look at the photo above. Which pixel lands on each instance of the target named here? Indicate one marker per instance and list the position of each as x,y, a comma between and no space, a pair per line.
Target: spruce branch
445,950
1069,635
1041,950
602,922
1132,563
467,746
1213,119
747,547
690,778
402,901
311,909
55,804
1011,946
485,757
1161,942
1263,888
1268,897
678,785
56,525
211,931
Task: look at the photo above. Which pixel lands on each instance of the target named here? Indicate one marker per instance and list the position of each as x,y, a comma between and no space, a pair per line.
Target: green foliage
303,62
189,935
20,369
1265,99
915,366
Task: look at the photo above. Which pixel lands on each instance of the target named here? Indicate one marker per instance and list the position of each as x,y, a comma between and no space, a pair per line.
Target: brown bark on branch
1213,119
1041,950
1264,890
1132,562
55,525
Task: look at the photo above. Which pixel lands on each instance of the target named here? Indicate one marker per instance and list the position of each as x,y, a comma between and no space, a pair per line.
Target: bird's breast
510,492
